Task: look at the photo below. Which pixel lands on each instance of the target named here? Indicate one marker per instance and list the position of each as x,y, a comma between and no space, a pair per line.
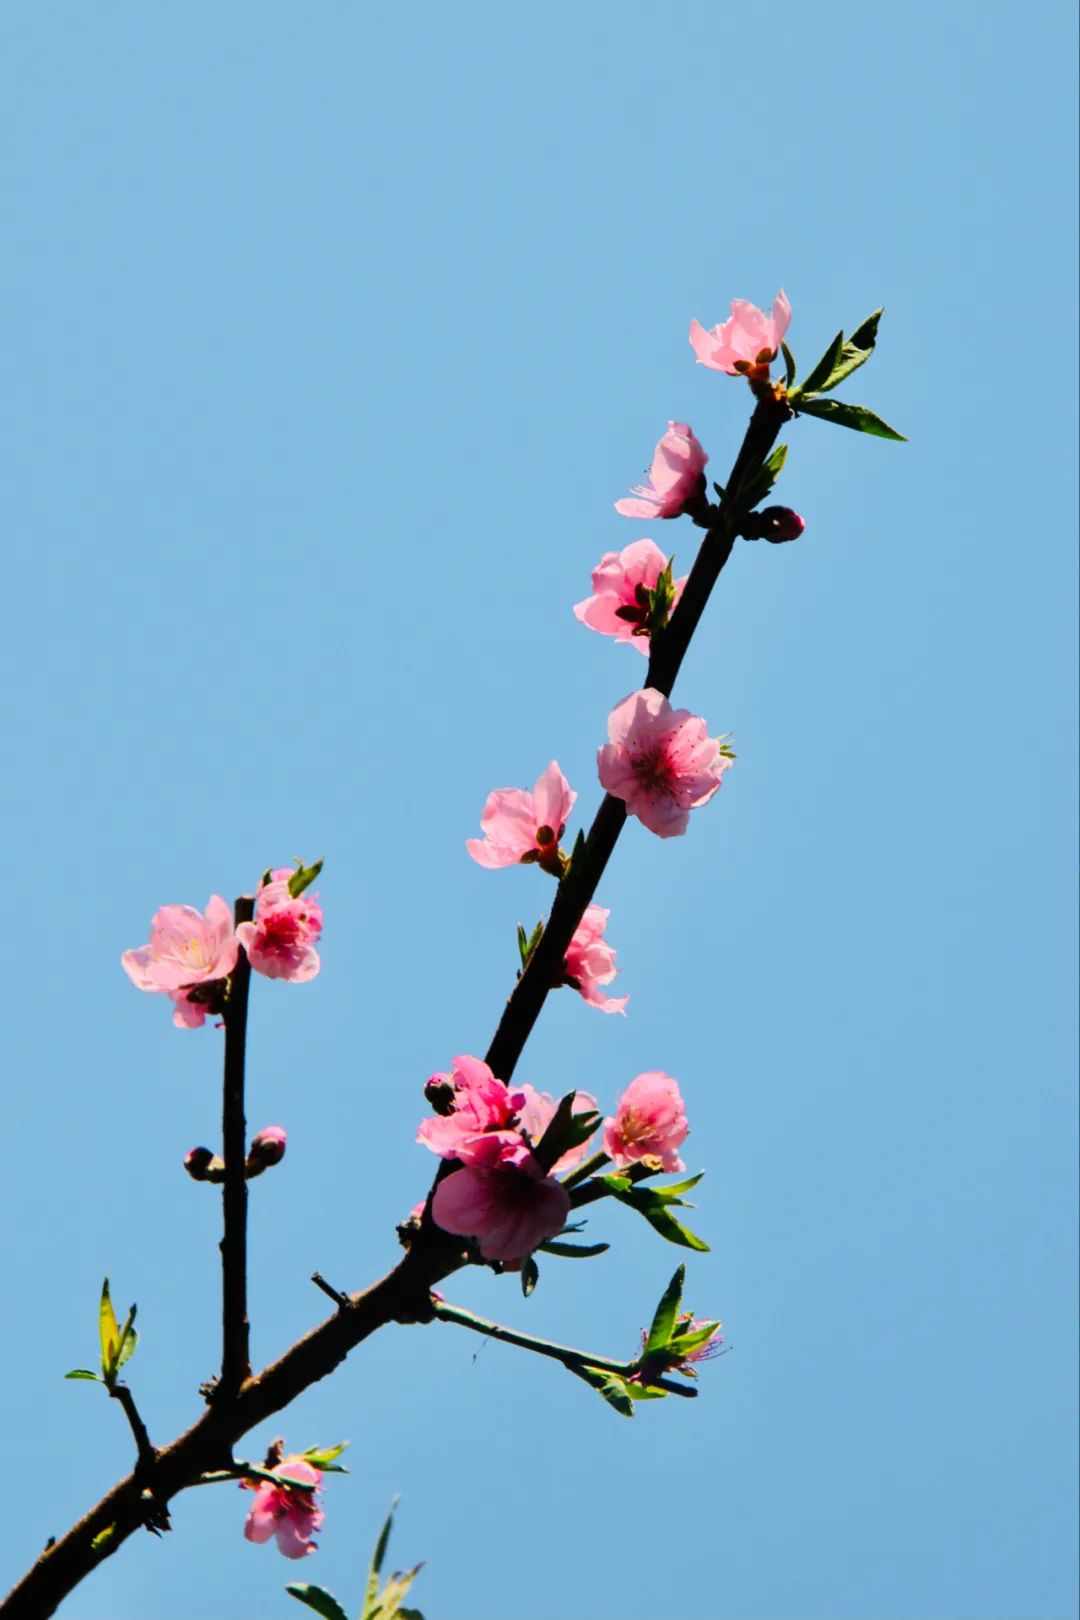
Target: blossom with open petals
480,1103
619,606
188,952
521,826
674,477
747,342
281,941
502,1198
649,1121
290,1515
590,961
537,1113
660,761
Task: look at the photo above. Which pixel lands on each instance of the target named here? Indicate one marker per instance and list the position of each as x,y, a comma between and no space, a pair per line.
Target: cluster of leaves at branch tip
385,1604
527,943
841,358
302,878
117,1343
651,609
655,1204
668,1344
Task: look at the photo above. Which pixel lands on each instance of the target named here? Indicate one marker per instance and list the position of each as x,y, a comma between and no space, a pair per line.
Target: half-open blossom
503,1199
521,826
660,761
676,1358
480,1103
188,952
747,342
590,961
537,1113
674,477
290,1515
649,1122
281,940
619,606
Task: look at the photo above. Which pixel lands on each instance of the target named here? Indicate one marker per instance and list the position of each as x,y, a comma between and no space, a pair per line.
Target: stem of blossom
543,1347
235,1347
585,1170
144,1450
575,892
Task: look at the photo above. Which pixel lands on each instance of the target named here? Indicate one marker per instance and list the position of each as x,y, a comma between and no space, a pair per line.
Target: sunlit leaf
317,1598
667,1311
303,877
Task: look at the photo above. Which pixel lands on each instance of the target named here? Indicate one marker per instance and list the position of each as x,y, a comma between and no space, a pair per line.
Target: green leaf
128,1340
384,1538
326,1458
566,1130
523,945
303,877
83,1372
819,377
530,1275
789,364
857,417
317,1598
568,1251
681,1344
856,351
671,1193
757,484
409,1614
395,1589
109,1332
646,1202
611,1386
667,1312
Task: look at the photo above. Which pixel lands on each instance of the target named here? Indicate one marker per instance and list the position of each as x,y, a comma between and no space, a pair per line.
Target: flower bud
267,1148
774,523
202,1165
440,1093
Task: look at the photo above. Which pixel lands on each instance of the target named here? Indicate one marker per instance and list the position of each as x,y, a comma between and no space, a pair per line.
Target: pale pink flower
503,1199
617,580
281,941
187,951
745,343
660,761
674,477
481,1103
537,1113
590,961
290,1515
649,1122
520,826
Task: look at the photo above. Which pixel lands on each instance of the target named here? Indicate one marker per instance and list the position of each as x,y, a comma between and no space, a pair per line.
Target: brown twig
235,1347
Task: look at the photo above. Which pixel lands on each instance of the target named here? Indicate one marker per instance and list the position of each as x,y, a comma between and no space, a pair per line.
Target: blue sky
331,335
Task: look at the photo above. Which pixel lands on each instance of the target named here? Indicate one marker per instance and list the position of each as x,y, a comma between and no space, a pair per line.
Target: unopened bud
439,1092
267,1148
202,1165
775,523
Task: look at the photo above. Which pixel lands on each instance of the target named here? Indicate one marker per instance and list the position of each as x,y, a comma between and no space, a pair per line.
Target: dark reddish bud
439,1092
202,1165
775,523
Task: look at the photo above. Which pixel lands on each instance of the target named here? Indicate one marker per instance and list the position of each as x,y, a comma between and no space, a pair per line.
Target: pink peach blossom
537,1113
649,1121
660,761
674,477
616,581
481,1103
290,1515
520,826
590,961
187,950
503,1199
281,941
745,343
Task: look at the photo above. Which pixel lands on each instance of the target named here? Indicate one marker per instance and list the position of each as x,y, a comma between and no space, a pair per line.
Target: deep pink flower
268,1146
503,1199
520,826
745,343
661,761
481,1103
537,1113
674,477
290,1515
590,961
281,940
649,1121
616,581
186,951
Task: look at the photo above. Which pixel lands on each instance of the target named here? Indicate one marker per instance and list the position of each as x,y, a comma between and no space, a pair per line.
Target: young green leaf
857,417
757,484
672,1192
303,877
660,1218
856,351
666,1314
819,377
128,1340
611,1386
326,1458
108,1331
681,1344
789,365
568,1251
317,1598
83,1372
